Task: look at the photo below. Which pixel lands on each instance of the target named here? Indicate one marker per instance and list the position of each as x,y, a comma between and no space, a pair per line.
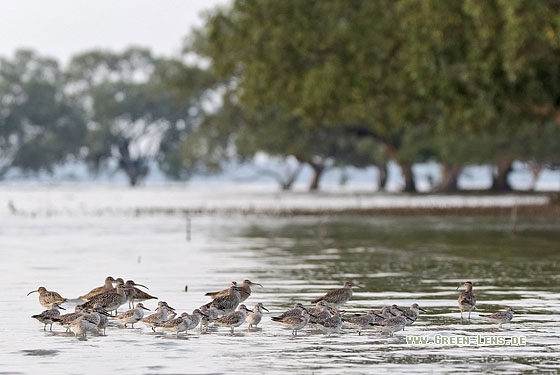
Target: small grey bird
500,317
47,316
338,297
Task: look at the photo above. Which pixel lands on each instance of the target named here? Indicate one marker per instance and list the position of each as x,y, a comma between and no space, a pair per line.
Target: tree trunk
499,180
449,176
536,169
129,168
409,183
286,185
285,179
135,169
132,179
318,170
291,177
382,178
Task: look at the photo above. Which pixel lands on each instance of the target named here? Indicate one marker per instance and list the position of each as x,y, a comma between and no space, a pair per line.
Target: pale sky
62,28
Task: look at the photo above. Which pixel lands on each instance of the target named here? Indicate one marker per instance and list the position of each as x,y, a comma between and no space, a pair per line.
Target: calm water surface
395,259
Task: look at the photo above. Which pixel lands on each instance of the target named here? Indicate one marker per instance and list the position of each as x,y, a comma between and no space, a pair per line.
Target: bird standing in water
338,297
467,300
254,317
500,317
46,317
47,297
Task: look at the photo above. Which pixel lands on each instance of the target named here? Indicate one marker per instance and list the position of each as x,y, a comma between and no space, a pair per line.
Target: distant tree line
102,107
324,82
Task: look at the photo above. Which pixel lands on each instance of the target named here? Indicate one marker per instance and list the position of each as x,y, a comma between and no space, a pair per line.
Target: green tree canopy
134,117
402,72
39,126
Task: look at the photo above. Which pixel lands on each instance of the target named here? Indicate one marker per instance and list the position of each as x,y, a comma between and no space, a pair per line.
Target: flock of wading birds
228,310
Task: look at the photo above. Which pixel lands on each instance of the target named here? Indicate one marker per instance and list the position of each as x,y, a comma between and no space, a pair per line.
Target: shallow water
395,260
